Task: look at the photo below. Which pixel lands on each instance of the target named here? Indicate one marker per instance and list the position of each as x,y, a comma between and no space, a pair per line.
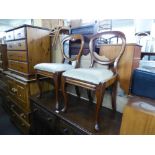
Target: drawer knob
19,34
19,44
14,90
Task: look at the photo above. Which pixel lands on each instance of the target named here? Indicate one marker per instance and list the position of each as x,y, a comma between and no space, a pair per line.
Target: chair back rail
73,38
111,63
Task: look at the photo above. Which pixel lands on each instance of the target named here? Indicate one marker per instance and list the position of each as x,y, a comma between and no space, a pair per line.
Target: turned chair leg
39,86
63,84
56,87
77,91
100,89
113,96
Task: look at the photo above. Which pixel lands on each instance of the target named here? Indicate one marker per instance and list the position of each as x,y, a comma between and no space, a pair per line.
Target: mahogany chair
54,70
97,79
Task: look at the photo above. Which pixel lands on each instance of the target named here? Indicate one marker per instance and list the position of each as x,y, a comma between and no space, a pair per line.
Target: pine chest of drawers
26,46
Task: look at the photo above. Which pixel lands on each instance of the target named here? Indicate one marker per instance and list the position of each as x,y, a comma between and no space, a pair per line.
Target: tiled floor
6,126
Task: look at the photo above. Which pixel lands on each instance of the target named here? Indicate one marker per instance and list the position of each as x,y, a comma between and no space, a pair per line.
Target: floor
6,126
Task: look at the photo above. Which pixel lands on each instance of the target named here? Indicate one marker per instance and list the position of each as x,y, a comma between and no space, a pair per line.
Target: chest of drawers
26,46
3,57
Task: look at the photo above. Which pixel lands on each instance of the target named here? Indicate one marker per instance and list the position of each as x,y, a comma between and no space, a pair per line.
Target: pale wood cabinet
138,117
27,45
128,62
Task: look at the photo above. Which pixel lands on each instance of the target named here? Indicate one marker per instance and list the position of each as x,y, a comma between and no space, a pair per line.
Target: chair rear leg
100,89
64,85
39,85
113,96
89,96
77,91
56,87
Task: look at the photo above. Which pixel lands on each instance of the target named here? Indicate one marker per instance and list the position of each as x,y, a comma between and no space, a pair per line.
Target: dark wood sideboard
78,120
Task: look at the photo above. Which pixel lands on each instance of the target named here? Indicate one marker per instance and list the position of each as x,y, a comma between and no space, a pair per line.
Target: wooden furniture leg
77,91
63,83
113,96
39,85
56,87
89,96
100,89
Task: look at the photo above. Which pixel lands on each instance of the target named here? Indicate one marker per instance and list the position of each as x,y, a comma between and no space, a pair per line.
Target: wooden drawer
19,33
16,45
18,92
17,55
45,117
18,66
10,45
67,129
19,121
10,35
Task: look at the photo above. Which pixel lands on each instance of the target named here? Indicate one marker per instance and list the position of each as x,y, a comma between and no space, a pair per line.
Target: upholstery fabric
92,75
53,67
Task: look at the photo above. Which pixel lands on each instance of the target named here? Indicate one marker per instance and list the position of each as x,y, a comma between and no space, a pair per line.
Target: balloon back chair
54,70
98,79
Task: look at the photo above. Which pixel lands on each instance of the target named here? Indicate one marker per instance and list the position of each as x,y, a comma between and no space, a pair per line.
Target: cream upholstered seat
92,75
53,67
54,70
98,79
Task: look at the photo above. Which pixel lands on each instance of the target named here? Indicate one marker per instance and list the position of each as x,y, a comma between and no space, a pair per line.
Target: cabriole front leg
100,89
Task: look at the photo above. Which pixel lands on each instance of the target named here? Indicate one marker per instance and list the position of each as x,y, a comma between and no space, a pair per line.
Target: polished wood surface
139,117
128,62
39,48
99,89
79,119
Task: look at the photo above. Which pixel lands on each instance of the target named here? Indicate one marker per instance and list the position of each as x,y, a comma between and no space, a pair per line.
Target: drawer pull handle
22,115
14,90
19,44
19,34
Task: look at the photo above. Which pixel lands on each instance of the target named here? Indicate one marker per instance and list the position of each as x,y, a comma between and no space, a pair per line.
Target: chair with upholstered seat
98,79
54,70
